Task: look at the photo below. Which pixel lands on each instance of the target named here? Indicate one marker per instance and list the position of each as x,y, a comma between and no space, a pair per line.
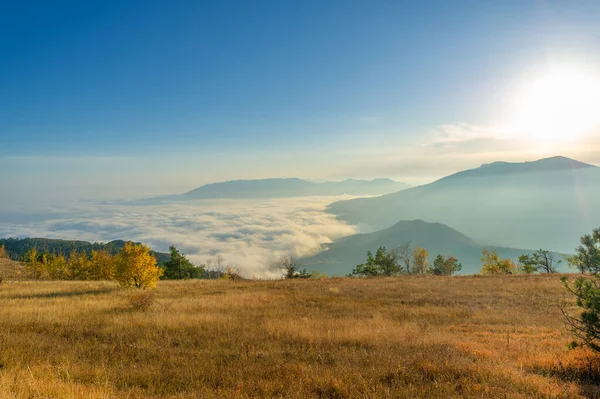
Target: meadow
405,337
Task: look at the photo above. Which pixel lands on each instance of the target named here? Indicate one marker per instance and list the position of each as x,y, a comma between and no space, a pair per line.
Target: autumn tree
78,266
384,263
541,260
56,267
136,267
446,266
34,264
3,252
492,264
102,265
420,263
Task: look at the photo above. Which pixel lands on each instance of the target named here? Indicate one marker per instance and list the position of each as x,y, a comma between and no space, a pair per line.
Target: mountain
343,255
17,247
292,187
506,168
547,203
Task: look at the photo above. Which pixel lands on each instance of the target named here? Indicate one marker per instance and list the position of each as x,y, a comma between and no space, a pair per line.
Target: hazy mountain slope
343,255
293,187
544,204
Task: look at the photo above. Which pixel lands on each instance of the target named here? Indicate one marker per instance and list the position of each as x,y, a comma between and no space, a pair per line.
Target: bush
142,301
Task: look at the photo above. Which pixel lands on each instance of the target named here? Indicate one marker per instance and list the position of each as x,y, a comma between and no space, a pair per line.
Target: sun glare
562,105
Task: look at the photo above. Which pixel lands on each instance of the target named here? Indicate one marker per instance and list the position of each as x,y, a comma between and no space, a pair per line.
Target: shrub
142,301
289,266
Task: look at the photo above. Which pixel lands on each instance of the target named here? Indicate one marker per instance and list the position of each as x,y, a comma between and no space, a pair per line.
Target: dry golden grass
434,337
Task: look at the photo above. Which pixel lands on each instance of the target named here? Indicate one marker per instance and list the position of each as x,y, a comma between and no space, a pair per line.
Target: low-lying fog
251,234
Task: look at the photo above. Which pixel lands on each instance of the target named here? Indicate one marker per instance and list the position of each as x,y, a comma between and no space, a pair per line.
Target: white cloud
251,234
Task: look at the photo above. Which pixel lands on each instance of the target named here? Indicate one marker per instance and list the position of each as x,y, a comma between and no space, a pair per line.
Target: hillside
11,270
548,203
343,255
293,187
17,247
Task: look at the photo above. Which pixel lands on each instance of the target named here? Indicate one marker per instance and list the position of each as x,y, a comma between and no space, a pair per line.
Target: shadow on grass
580,366
67,294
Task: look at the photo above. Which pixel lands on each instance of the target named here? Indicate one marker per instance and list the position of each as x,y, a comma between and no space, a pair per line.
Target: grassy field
434,337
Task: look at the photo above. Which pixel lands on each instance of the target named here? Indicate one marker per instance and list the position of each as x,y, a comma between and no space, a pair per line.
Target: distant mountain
547,204
292,187
342,256
507,168
17,247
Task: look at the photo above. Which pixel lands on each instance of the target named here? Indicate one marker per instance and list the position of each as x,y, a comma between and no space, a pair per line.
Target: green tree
446,266
541,260
586,325
136,267
180,268
587,254
384,263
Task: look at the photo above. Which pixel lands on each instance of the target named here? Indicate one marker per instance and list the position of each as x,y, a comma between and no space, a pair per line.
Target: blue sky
156,96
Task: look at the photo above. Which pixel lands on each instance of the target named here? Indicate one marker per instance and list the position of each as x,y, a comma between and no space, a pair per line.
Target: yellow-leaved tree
35,264
102,265
3,252
492,264
78,266
420,261
136,267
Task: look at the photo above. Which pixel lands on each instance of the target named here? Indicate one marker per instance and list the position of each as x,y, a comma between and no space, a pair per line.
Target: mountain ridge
539,207
292,187
550,164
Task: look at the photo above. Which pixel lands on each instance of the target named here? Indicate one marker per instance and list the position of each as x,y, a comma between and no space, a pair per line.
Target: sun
561,105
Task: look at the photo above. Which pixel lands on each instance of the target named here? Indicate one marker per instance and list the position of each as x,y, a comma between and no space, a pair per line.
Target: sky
126,98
